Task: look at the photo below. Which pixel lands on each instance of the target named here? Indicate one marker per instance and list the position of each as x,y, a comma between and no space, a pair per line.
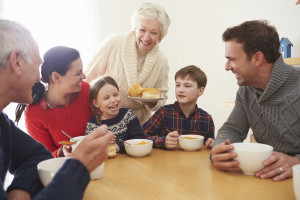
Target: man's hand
278,166
171,141
92,150
222,158
18,194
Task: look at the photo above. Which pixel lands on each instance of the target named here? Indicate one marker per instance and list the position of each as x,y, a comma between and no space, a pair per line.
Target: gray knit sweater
273,114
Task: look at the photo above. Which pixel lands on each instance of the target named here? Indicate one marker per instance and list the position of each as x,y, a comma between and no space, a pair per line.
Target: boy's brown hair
194,73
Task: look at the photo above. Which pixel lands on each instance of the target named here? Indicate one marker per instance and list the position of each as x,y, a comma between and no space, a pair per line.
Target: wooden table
176,174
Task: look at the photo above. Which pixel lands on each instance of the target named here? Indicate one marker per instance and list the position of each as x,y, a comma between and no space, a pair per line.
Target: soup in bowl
138,147
190,142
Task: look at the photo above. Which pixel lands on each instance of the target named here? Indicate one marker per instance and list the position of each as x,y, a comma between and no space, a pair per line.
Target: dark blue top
20,154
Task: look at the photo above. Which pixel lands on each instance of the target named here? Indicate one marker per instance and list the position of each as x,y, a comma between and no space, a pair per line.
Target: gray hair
13,36
151,11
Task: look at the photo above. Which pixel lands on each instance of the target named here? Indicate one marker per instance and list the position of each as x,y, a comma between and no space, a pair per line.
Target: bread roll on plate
135,90
151,93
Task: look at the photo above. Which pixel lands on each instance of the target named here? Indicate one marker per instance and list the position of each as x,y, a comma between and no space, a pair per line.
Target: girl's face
108,99
71,81
147,34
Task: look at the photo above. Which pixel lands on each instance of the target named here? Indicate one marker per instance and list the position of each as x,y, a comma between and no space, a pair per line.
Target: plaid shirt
171,118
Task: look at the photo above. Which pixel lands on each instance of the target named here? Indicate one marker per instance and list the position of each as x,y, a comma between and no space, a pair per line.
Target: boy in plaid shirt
184,116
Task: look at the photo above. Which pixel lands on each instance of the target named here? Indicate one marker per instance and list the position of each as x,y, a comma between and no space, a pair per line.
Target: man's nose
228,66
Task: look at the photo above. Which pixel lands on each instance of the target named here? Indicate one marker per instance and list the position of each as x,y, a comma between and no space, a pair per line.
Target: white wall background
194,36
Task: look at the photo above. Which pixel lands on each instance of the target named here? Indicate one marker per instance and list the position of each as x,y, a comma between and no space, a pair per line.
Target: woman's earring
100,110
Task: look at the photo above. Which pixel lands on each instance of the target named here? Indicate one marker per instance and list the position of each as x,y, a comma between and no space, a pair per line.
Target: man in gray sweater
267,101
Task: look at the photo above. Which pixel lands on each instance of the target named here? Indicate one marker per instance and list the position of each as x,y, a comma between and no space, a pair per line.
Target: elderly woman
135,57
65,103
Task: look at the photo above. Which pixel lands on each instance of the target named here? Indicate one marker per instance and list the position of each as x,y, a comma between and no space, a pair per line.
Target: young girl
105,103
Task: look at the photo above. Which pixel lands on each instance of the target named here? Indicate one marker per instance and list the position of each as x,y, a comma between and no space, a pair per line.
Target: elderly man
268,100
19,153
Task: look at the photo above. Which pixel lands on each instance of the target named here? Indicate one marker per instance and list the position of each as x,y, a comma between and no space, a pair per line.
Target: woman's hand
150,104
67,150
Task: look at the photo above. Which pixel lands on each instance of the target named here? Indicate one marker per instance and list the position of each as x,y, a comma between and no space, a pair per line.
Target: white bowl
48,168
190,144
97,173
135,149
296,180
77,140
251,156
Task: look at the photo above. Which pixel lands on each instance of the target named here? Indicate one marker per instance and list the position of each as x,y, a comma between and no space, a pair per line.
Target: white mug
97,173
296,180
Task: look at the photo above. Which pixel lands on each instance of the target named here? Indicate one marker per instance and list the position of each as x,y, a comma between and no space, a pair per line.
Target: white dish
132,148
97,173
191,144
48,168
251,156
296,180
145,99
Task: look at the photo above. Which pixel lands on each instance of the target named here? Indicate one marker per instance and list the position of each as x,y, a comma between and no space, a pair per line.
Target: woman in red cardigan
64,105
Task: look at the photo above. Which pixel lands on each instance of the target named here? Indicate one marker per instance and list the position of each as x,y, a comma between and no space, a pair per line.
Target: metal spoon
68,136
124,141
171,131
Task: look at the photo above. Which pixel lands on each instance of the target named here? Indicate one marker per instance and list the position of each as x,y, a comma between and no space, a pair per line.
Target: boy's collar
179,110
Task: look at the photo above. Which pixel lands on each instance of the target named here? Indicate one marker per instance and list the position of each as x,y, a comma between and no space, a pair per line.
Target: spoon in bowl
66,134
171,131
72,141
124,142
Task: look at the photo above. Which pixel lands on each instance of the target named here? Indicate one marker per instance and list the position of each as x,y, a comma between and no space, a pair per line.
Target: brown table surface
176,174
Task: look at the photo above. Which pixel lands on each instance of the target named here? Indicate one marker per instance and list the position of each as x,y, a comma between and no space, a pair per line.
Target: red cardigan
45,124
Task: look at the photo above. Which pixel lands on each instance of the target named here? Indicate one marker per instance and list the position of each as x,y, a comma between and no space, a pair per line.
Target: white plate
145,99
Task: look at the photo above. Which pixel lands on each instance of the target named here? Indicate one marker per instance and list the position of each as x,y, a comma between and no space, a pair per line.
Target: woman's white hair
13,36
151,11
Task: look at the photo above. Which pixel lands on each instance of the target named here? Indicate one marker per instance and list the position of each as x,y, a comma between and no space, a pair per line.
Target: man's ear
257,58
201,91
55,77
15,60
